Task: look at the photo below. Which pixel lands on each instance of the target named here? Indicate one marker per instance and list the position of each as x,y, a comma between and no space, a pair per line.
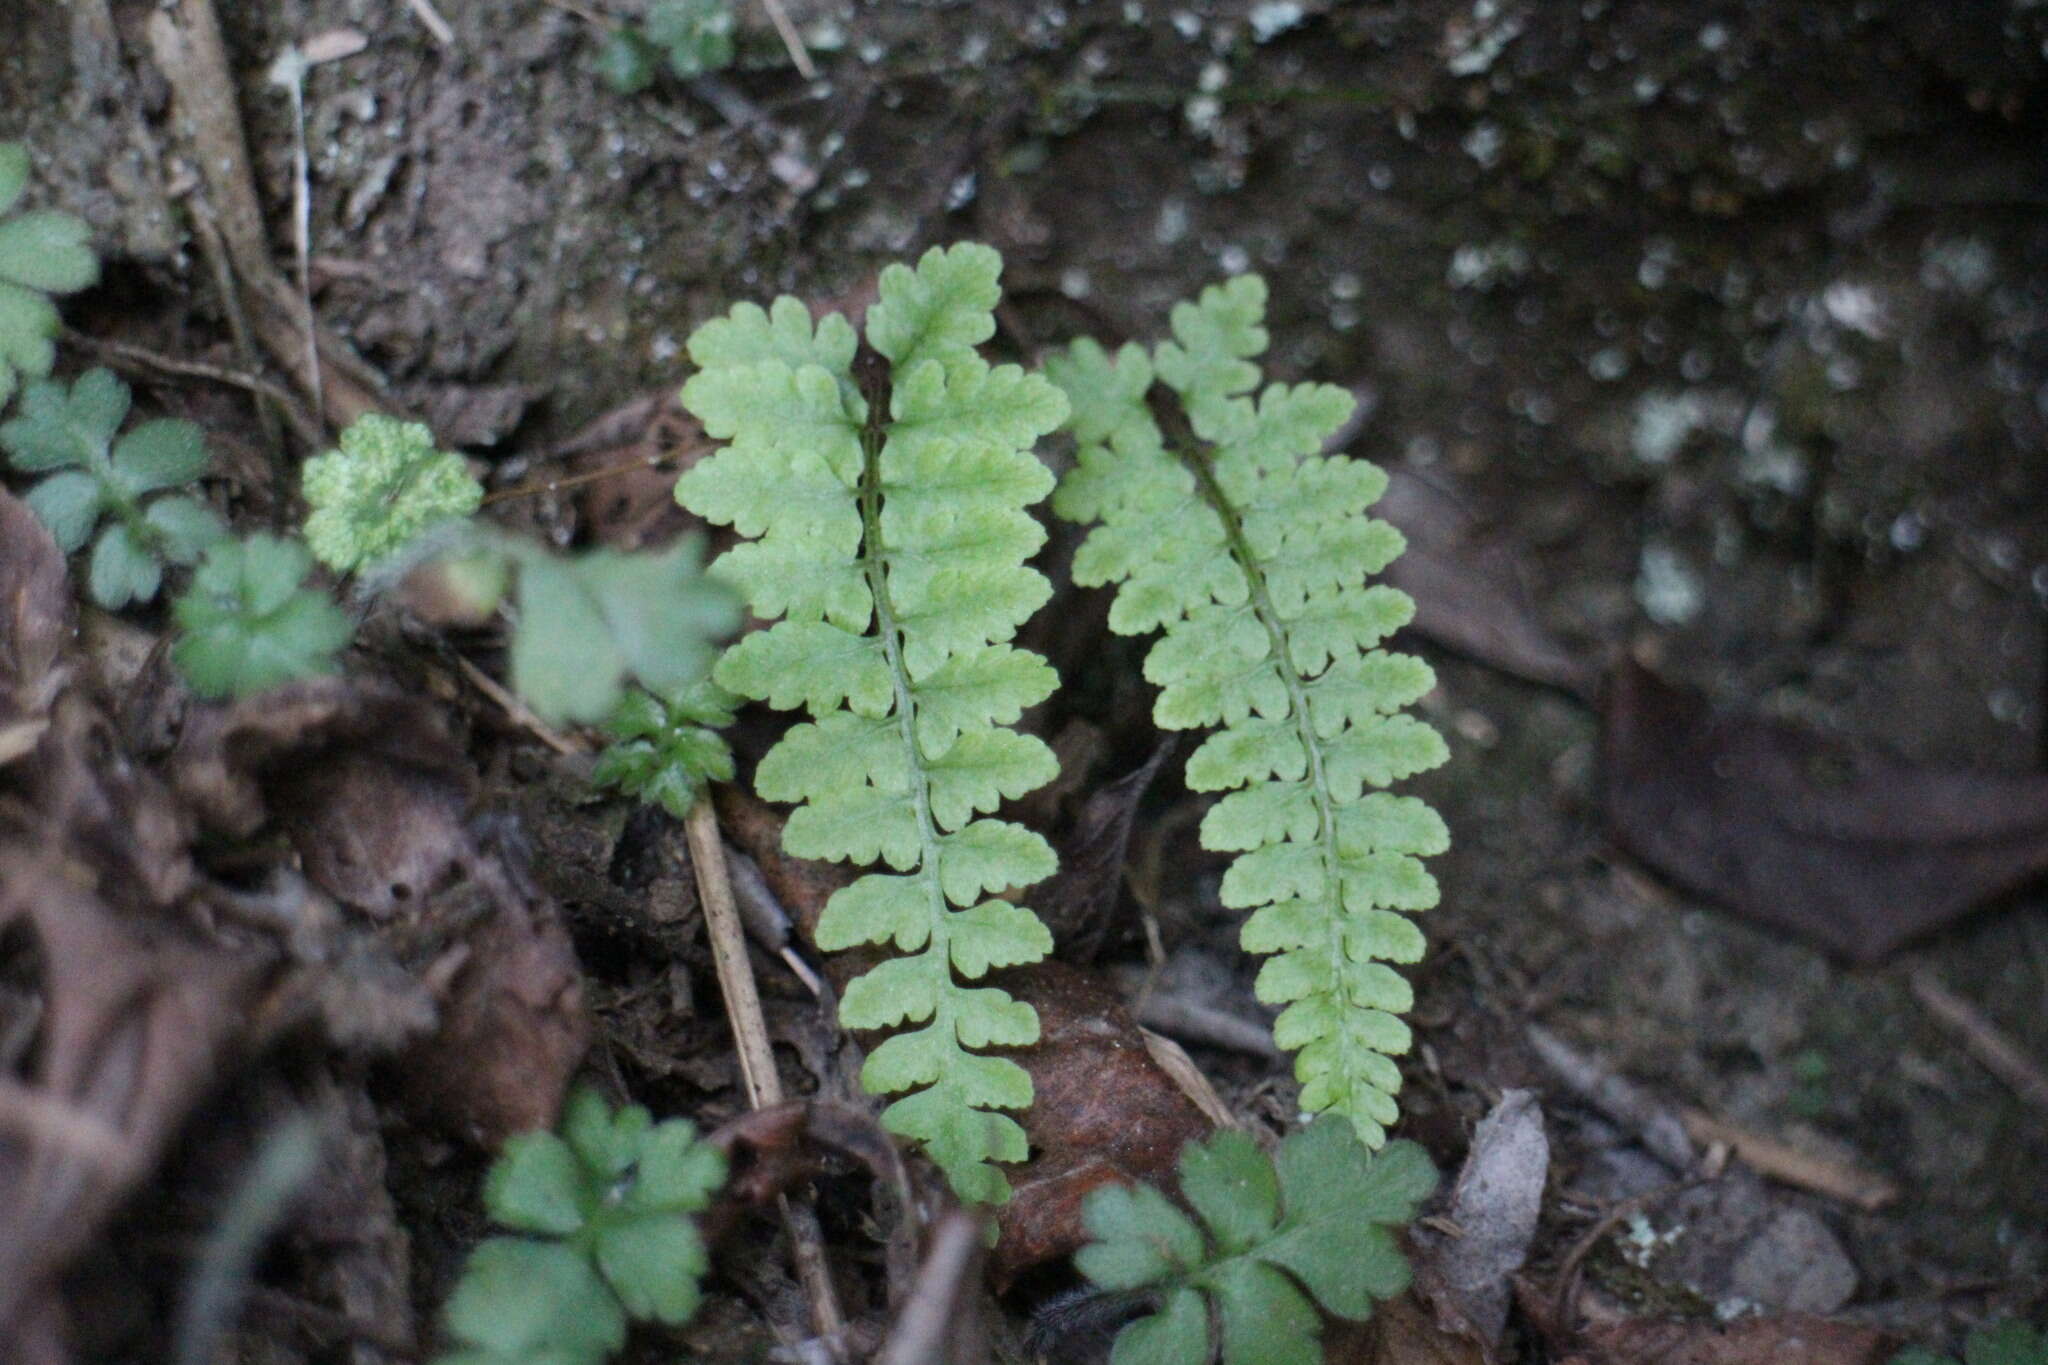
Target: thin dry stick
78,1135
517,709
757,1058
931,1321
290,74
791,39
527,490
1985,1040
189,50
1783,1162
141,360
729,953
435,24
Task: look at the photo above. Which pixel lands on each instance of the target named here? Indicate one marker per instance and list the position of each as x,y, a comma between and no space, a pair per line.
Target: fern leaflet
1250,552
887,529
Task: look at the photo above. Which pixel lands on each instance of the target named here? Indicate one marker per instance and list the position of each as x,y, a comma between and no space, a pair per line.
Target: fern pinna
1250,550
883,486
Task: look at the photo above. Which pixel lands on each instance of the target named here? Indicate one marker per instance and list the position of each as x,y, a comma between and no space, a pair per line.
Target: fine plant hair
1225,529
880,482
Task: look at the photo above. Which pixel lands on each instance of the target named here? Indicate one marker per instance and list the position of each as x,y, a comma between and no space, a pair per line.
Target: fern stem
874,562
1199,461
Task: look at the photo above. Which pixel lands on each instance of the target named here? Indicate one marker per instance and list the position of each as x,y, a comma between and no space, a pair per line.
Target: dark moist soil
1731,319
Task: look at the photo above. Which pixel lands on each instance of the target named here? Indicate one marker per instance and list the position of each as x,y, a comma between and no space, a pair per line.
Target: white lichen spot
1346,285
1857,307
961,192
1659,255
1666,587
1188,25
1172,224
825,35
1908,532
1074,282
1607,364
1472,45
1768,460
1483,265
1485,143
1234,259
1273,18
664,347
1714,37
1663,423
1964,264
1380,176
1202,113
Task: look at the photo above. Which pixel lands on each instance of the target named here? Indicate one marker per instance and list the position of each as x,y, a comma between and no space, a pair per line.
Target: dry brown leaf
1468,590
1796,1340
1494,1205
1853,851
1400,1332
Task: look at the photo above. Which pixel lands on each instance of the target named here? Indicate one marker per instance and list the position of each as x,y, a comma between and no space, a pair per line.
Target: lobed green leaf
1312,1222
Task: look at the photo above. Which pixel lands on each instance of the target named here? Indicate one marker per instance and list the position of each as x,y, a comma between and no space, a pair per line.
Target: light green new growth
73,432
1318,1216
664,751
607,1208
1250,550
248,622
887,528
383,487
41,254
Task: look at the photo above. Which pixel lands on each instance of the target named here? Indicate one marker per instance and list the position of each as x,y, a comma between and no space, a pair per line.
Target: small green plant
1319,1217
378,492
2002,1343
584,625
41,253
694,35
1249,549
881,491
249,623
590,623
605,1209
73,435
664,751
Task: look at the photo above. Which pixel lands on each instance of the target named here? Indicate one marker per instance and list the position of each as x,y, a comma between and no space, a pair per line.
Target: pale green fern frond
1250,551
886,526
